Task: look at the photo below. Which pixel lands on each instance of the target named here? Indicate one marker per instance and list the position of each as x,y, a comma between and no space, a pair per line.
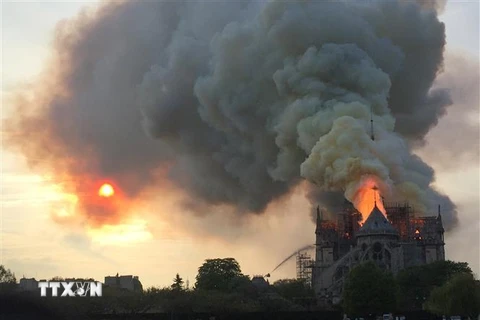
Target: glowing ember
366,197
106,190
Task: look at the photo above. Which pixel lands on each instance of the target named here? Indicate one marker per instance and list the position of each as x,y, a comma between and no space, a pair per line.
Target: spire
319,218
375,195
372,135
440,228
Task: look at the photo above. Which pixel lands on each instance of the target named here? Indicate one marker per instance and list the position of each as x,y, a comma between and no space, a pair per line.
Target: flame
106,190
366,197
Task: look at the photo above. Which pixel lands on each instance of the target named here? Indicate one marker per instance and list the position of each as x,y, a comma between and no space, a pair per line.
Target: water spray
291,256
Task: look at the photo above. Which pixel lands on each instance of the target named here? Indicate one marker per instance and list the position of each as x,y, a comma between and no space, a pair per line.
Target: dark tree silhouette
415,284
177,283
458,296
219,274
295,290
368,289
8,281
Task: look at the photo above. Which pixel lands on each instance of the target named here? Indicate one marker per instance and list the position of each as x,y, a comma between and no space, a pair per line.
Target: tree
7,279
57,278
415,284
368,289
177,283
295,290
458,296
219,274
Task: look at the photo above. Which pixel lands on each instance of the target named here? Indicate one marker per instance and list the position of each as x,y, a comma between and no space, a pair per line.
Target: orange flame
366,197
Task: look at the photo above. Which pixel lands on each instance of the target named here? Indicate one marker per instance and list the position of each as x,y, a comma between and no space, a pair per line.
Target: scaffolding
304,267
348,222
400,215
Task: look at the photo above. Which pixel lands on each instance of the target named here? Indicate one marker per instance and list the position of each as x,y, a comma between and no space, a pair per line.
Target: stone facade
131,283
26,284
393,242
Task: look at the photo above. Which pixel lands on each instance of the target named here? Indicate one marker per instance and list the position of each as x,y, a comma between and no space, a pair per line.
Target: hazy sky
160,244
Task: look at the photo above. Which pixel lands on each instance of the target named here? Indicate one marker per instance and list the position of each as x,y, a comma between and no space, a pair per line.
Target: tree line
443,288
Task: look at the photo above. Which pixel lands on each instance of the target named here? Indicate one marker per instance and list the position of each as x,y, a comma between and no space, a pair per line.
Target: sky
158,245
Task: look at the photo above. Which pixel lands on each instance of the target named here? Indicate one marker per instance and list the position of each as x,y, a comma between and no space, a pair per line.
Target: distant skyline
161,241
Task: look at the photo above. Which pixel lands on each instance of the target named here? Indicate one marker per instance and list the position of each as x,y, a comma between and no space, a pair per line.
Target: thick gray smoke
244,100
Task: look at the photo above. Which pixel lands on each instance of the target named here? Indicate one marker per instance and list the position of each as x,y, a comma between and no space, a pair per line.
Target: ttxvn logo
71,289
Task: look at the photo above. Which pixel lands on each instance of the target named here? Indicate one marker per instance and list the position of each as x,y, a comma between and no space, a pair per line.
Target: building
28,284
260,283
129,282
393,242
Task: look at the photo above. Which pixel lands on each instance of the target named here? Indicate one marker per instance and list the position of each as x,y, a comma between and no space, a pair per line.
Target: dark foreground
297,315
19,308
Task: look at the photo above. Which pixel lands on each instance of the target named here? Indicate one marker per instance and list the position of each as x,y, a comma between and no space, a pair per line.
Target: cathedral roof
376,224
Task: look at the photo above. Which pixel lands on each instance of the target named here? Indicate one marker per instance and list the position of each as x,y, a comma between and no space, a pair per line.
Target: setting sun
106,190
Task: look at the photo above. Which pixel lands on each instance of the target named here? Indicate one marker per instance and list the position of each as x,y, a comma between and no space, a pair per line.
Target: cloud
455,142
234,104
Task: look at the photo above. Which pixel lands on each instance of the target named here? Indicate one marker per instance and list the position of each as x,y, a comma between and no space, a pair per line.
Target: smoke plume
240,101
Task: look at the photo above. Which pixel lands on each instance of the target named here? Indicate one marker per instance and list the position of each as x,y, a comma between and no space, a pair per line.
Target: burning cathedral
393,239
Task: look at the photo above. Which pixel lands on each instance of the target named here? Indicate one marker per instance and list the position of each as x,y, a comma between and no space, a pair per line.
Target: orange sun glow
106,190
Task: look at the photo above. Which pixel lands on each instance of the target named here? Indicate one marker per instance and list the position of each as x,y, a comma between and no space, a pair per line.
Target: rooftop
376,224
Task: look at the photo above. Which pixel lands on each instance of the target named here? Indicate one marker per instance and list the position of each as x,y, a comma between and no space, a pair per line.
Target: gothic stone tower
393,243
